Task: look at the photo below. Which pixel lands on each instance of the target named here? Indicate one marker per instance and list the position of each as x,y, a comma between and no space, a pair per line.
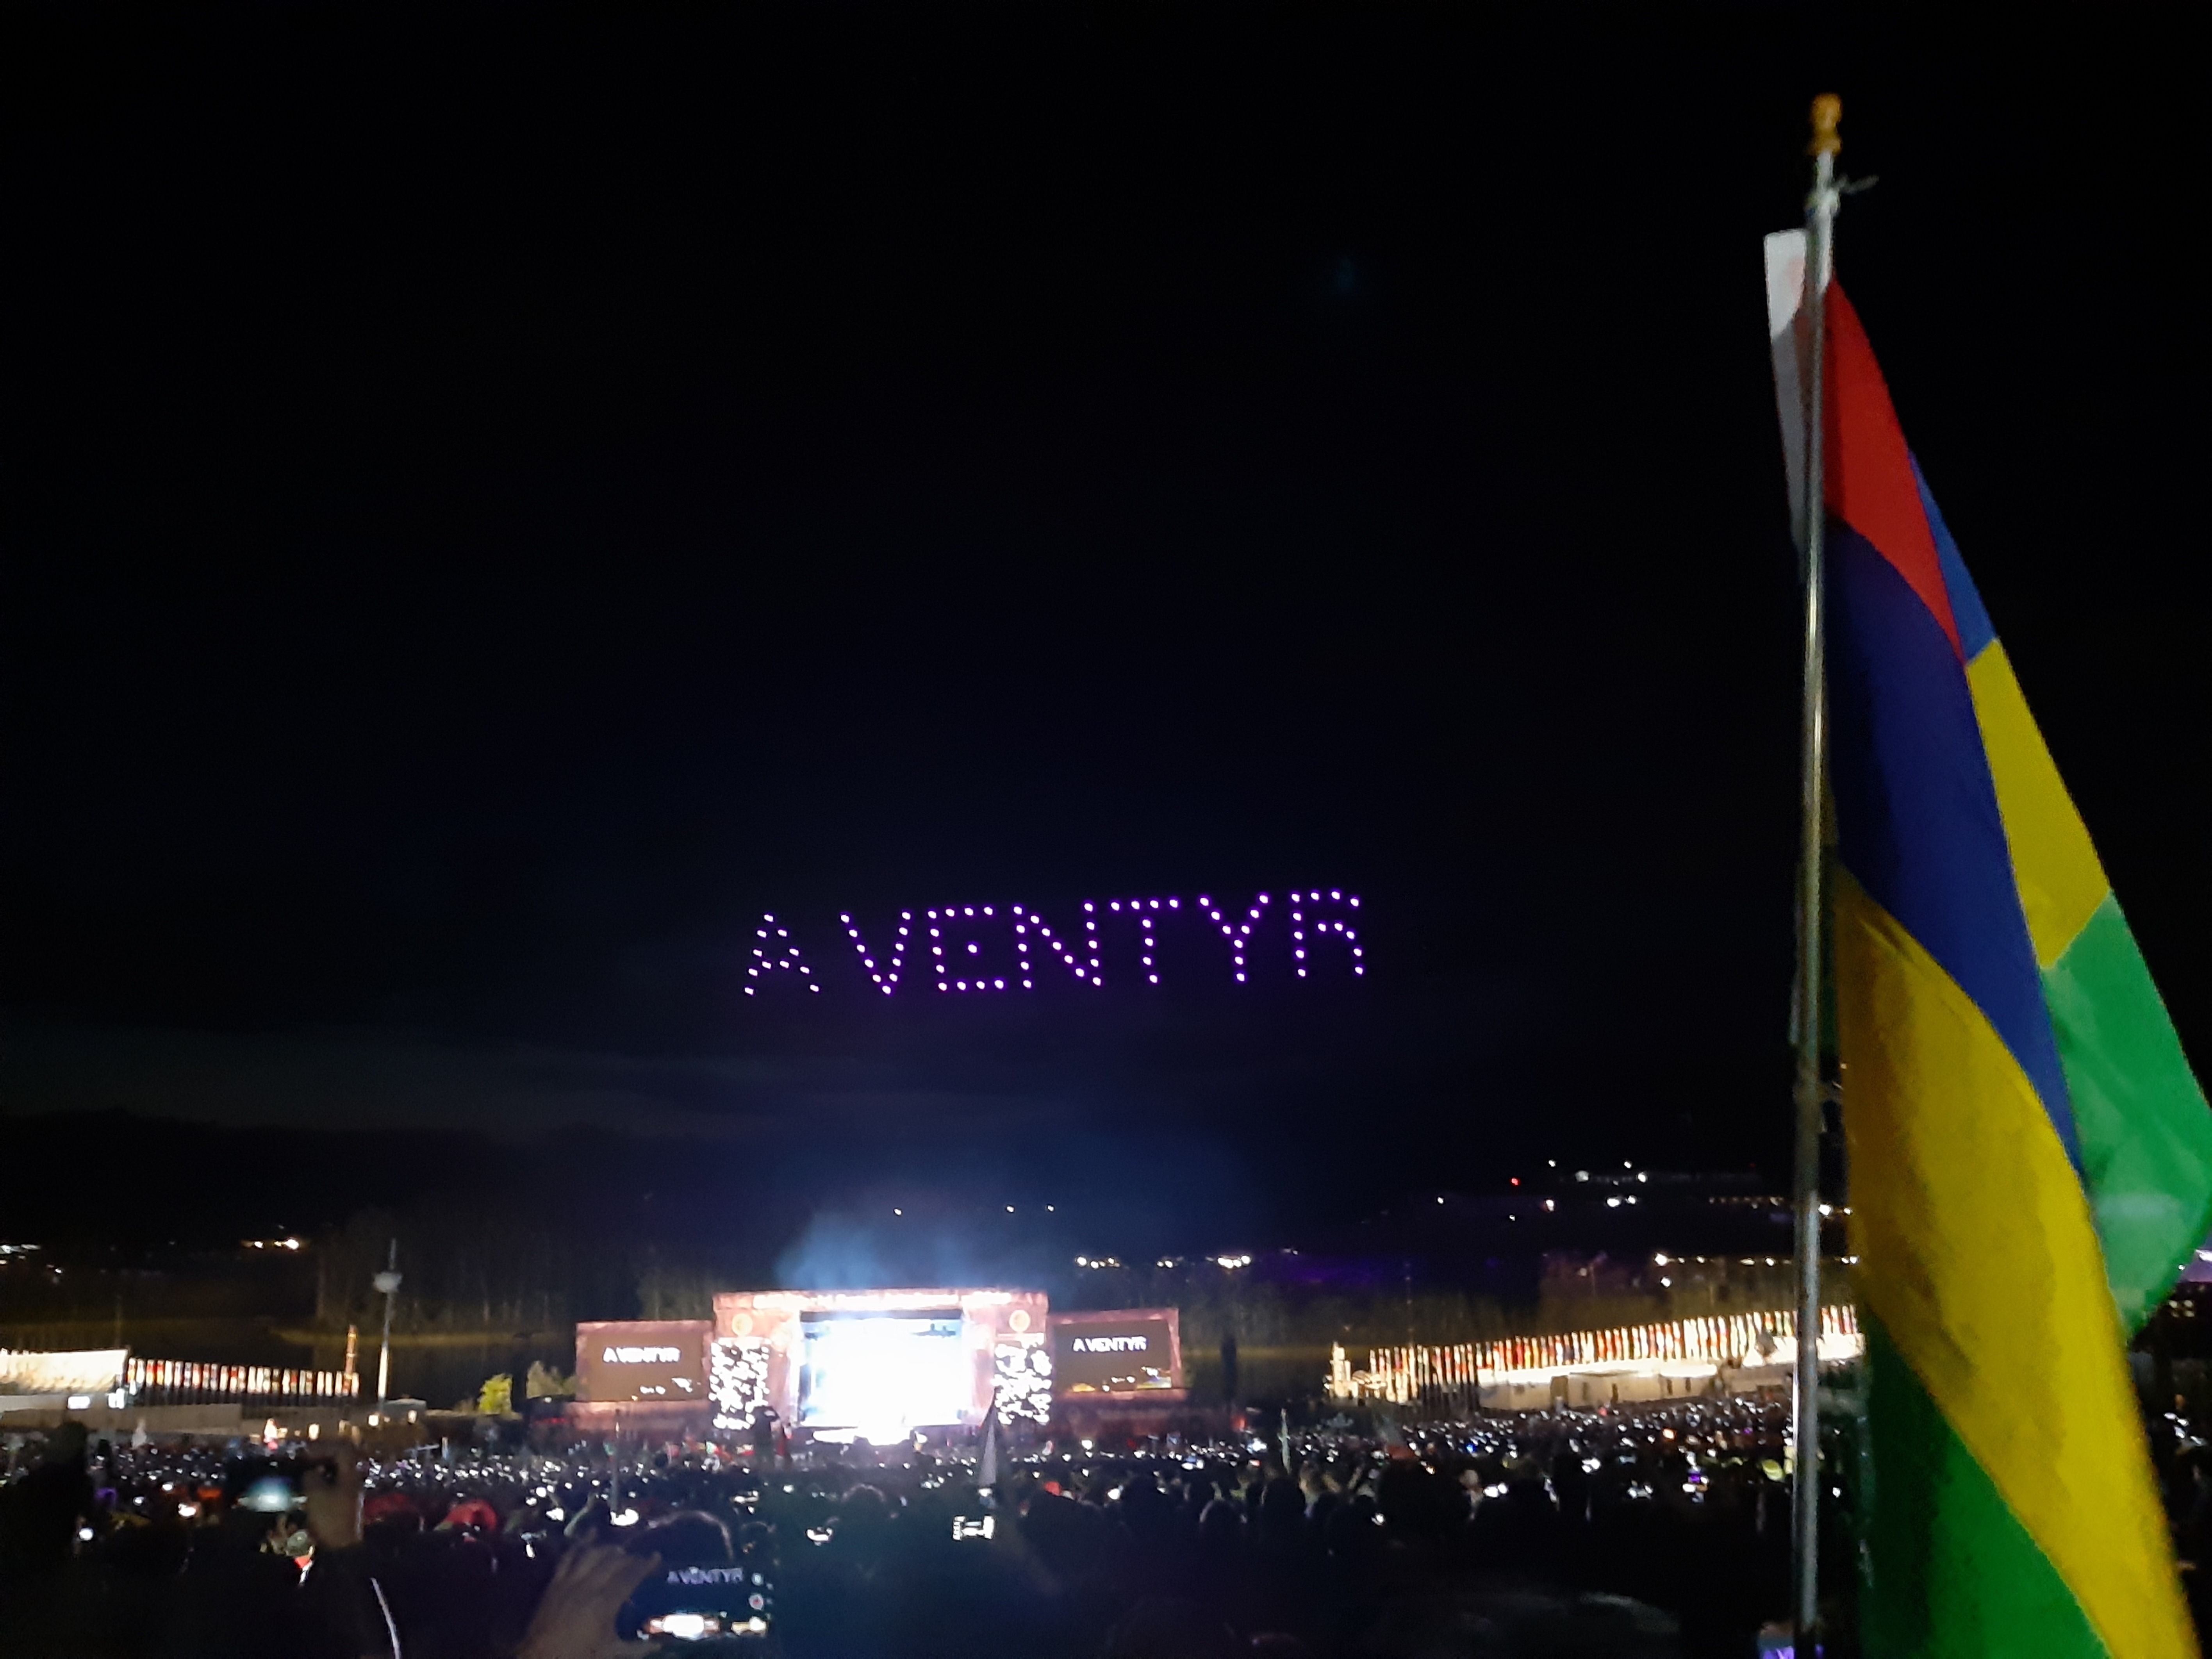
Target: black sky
496,502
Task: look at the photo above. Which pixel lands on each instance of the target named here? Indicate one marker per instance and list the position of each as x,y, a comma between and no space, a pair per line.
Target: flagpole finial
1828,115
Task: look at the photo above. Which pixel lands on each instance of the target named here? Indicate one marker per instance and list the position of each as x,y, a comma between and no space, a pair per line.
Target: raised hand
576,1618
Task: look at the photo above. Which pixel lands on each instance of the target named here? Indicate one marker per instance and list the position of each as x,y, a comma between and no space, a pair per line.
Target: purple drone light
1300,922
1315,917
1239,934
771,958
884,981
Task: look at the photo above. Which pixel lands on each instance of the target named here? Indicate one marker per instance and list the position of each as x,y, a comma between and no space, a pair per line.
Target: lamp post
388,1282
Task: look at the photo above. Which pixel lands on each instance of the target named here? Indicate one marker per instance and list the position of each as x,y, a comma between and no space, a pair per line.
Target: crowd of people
1652,1531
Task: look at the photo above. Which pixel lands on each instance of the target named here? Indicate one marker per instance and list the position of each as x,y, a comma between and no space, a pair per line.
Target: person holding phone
348,1615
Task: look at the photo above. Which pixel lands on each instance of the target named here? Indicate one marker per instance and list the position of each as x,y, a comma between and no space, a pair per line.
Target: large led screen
880,1362
659,1362
884,1375
1126,1351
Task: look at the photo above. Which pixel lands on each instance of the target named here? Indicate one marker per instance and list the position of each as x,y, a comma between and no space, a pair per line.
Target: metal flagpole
388,1282
1805,1508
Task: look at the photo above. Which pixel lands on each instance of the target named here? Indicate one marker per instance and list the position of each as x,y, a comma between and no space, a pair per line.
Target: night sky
496,505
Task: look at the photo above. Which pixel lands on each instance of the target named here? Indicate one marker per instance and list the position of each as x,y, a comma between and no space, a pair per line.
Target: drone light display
960,949
778,954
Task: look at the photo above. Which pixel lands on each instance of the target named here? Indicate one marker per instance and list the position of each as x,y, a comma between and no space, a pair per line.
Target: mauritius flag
2031,1158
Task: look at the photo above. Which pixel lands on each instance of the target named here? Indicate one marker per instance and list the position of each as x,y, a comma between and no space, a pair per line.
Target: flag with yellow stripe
2031,1157
2145,1132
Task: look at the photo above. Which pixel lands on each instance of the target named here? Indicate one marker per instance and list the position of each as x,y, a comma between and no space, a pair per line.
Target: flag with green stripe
2144,1127
2031,1157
